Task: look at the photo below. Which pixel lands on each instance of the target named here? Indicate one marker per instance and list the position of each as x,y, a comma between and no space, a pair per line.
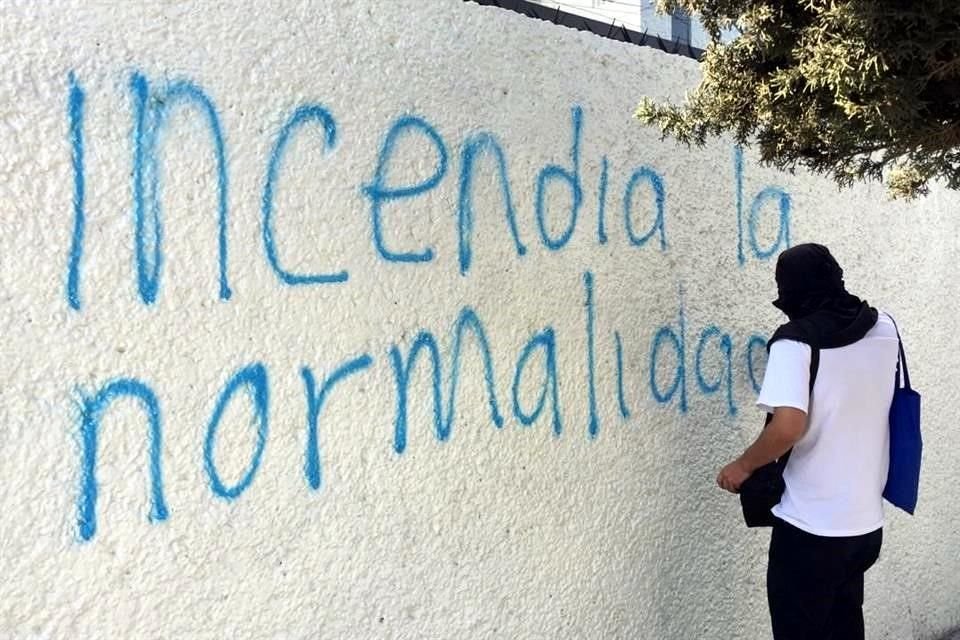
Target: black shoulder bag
762,491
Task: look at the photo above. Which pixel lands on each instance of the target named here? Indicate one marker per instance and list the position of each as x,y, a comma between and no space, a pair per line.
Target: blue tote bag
906,445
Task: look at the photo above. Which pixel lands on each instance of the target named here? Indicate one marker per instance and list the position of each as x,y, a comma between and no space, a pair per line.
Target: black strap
901,358
809,332
814,367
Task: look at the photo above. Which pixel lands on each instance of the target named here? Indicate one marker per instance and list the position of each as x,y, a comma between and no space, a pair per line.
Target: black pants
815,584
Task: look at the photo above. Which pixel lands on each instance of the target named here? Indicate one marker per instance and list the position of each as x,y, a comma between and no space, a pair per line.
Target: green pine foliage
854,89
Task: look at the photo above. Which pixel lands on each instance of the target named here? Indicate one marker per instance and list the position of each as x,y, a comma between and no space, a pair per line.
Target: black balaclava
812,294
808,278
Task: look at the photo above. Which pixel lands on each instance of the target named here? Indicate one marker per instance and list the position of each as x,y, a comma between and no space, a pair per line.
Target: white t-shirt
837,471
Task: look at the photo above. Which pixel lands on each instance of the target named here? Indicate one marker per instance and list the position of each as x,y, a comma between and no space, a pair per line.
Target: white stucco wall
584,524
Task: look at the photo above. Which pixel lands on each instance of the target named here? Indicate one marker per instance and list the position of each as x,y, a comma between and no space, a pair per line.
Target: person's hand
732,476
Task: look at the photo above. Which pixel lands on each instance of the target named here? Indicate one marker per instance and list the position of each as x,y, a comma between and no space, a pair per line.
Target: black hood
812,294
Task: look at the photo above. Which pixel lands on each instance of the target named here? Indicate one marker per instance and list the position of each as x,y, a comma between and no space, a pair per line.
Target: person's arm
786,394
785,430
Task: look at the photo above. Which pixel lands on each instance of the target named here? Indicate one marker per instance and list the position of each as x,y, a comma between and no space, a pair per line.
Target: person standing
829,523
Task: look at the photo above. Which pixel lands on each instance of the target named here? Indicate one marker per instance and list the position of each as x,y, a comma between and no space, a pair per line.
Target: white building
637,15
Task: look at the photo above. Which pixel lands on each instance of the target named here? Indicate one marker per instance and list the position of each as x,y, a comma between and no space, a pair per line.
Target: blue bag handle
906,441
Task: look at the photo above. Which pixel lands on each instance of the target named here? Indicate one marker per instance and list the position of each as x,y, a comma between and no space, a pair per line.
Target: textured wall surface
363,319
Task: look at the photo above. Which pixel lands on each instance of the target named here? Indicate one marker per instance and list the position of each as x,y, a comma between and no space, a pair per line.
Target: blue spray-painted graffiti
254,378
151,114
781,197
442,426
752,344
90,417
315,406
75,114
556,173
621,394
304,115
150,117
546,341
379,192
770,194
602,200
678,340
645,174
726,348
594,423
472,148
543,346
